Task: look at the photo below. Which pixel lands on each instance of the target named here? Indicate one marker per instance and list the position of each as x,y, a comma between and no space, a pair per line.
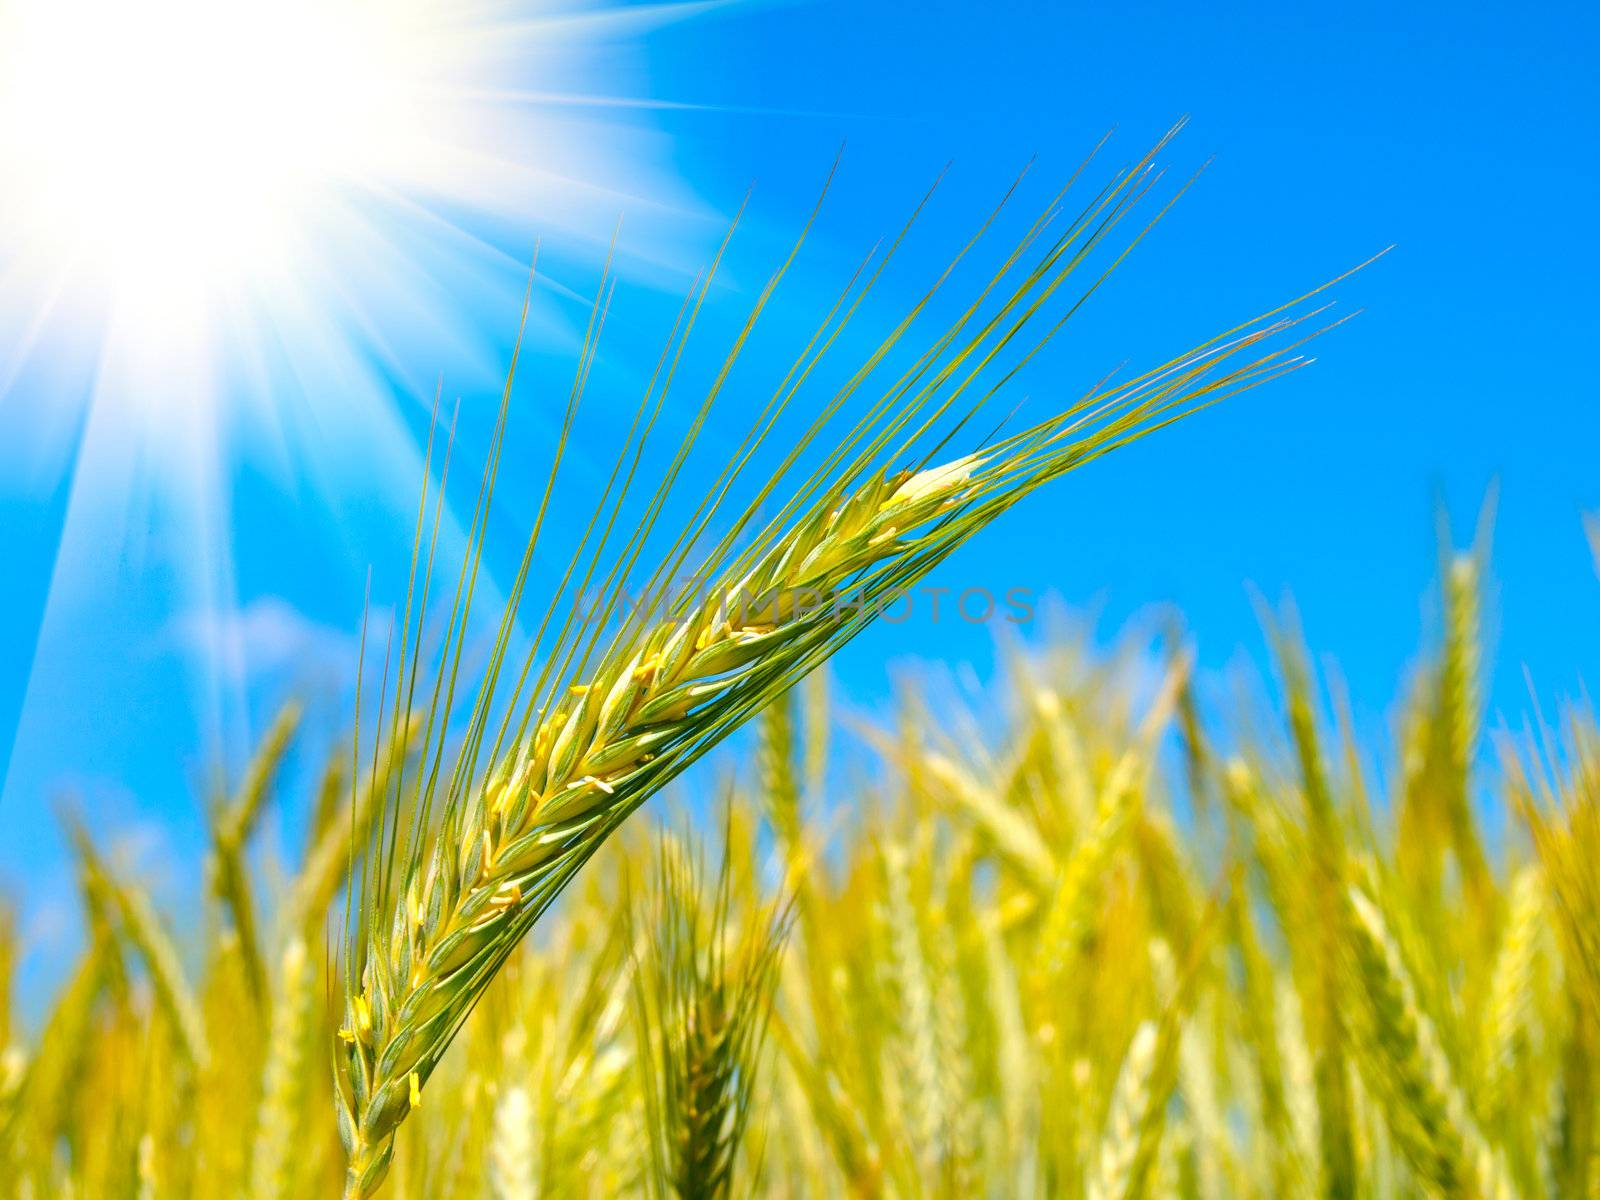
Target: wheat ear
233,822
1327,868
1510,1004
1069,914
702,993
144,931
1135,1110
273,1162
593,732
513,1153
1412,1074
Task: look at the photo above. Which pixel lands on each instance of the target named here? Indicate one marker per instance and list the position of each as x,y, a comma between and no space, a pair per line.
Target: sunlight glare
242,242
179,147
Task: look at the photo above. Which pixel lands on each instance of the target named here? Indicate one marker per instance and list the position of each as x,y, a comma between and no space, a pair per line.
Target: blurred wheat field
1110,946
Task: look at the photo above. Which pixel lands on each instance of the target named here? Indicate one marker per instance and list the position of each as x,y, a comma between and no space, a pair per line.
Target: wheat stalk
915,1034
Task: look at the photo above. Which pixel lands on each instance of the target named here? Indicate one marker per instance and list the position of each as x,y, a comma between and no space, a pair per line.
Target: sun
180,148
191,132
214,213
181,168
243,241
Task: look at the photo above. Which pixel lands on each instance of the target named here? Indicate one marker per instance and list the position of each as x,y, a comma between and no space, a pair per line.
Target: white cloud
269,638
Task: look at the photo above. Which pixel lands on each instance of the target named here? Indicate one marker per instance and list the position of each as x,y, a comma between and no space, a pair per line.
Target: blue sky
1459,133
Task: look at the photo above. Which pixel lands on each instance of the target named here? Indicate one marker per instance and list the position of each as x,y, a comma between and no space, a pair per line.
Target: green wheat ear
471,853
703,984
138,924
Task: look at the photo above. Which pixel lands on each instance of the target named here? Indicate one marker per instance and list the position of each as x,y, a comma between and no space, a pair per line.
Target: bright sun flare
181,147
180,167
245,239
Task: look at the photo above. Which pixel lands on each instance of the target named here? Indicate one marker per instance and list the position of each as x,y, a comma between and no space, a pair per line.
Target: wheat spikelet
328,858
13,1056
810,956
1259,1028
1326,847
240,942
581,1078
238,819
1068,916
232,825
1129,1155
13,1075
1442,726
1015,1072
950,934
1211,1150
149,1177
813,693
779,786
1461,689
1300,1091
842,1124
1014,836
1569,852
54,1076
801,1154
8,969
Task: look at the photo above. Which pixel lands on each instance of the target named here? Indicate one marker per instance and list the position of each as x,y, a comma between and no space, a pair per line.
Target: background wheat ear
142,929
703,980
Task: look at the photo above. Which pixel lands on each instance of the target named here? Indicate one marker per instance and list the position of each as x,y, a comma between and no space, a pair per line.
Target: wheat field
1088,936
1084,952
